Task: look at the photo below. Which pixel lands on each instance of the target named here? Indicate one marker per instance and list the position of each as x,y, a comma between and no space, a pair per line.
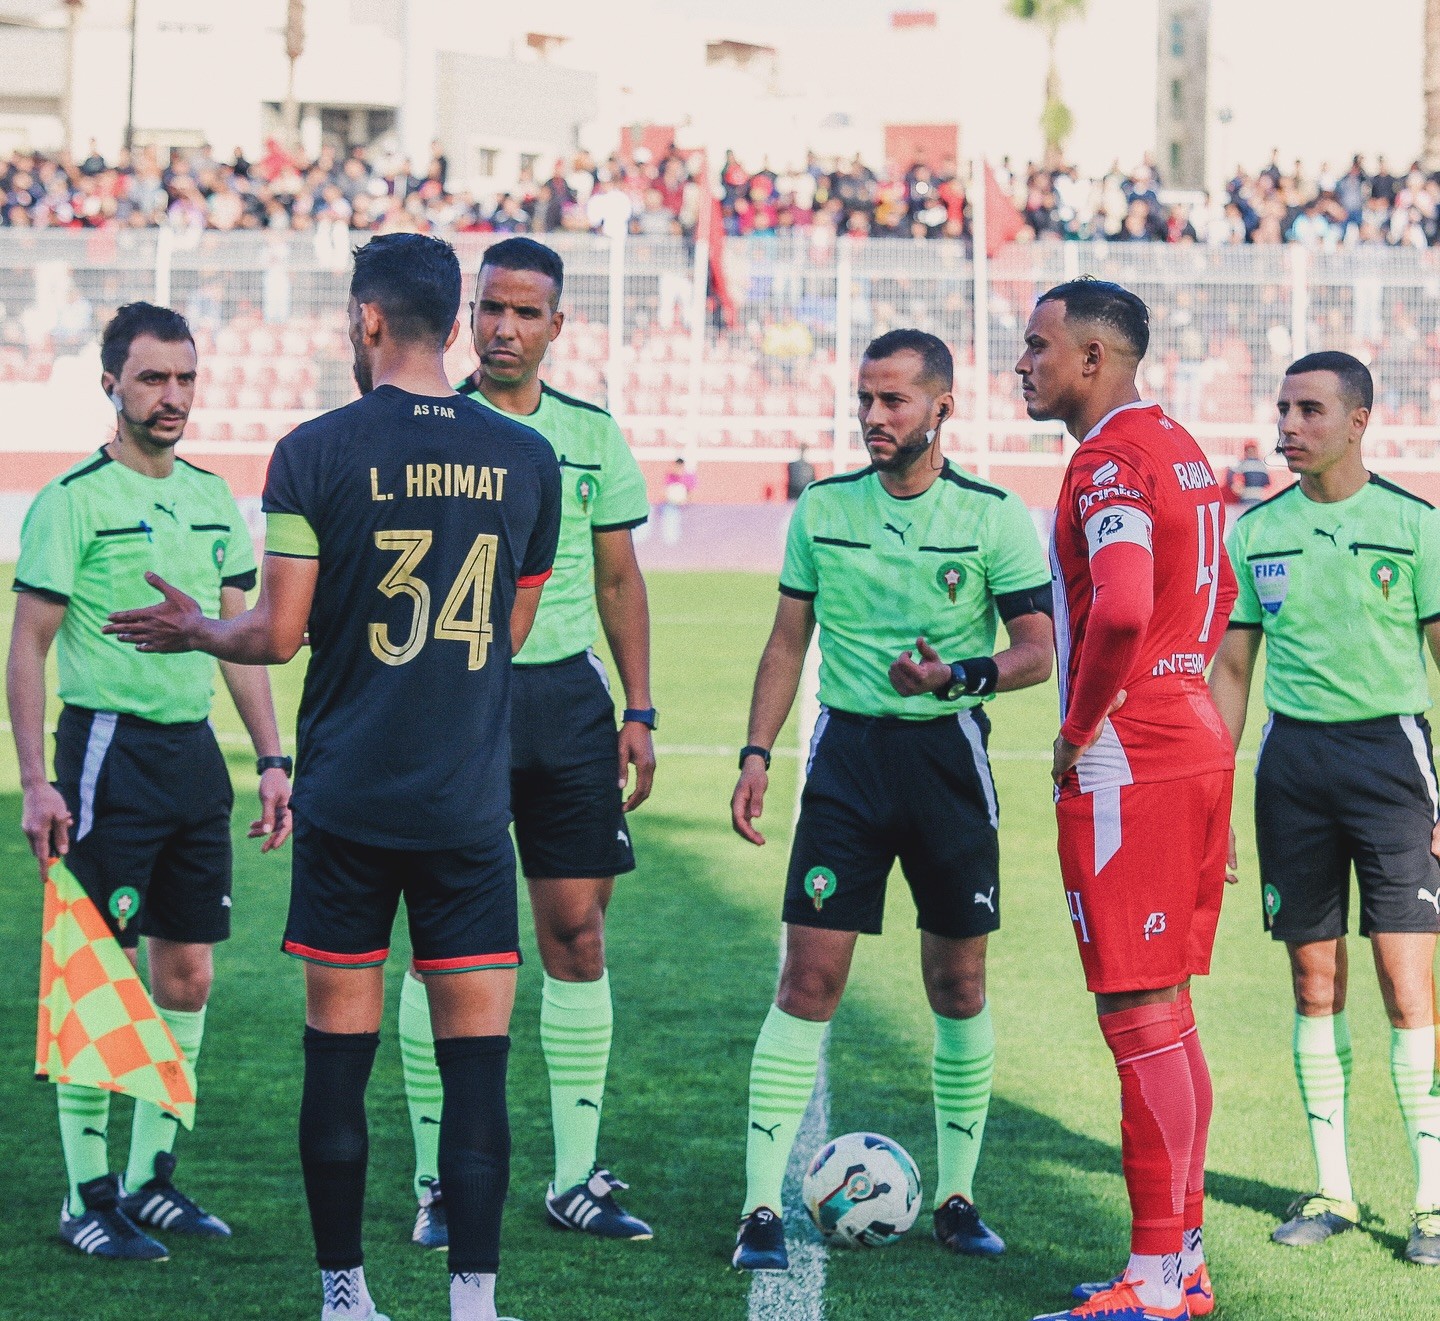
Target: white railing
268,310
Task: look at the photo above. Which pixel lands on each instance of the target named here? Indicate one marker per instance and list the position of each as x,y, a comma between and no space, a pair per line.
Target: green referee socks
423,1093
575,1025
782,1076
964,1068
1322,1067
152,1130
84,1114
1412,1066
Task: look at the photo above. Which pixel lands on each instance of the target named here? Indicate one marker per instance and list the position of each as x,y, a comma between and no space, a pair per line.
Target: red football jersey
1139,477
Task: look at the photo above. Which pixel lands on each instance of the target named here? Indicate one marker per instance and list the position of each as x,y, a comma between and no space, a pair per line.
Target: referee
140,807
907,548
1340,575
569,766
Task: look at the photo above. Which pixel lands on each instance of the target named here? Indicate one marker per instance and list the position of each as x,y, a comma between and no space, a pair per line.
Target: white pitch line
799,1293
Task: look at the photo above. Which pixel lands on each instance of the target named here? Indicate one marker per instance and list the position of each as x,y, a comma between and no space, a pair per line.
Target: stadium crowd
660,194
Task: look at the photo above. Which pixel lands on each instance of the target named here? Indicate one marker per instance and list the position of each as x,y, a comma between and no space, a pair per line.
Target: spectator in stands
1248,482
799,473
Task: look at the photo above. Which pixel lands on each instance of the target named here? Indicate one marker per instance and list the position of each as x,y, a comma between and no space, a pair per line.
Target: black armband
1029,601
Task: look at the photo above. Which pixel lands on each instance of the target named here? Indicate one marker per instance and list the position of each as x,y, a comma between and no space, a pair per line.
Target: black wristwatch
752,750
976,677
263,764
955,689
649,717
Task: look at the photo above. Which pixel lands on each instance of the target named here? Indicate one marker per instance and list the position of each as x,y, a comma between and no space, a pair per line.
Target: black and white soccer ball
862,1189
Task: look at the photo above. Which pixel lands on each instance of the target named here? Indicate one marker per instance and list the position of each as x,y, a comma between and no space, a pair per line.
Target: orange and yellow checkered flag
98,1026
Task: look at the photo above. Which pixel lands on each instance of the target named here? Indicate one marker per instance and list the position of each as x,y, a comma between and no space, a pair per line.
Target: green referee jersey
601,490
1342,592
88,540
883,571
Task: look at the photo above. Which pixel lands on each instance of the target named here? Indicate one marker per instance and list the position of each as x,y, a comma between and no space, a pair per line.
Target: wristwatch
752,750
956,688
649,716
286,764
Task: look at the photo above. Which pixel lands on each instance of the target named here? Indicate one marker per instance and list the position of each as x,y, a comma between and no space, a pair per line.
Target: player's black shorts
565,772
460,902
150,823
881,789
1329,795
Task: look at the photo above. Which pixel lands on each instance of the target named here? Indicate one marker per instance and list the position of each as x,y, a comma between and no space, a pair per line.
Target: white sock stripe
102,730
1148,1054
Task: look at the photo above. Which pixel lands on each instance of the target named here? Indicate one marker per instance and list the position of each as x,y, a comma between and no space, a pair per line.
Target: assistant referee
140,807
1340,576
908,548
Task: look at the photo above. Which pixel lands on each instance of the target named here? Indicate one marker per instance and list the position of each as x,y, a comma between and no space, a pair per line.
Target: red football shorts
1144,872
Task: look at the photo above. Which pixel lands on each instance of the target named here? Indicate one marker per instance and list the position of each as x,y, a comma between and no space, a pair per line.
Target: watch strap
263,764
754,750
647,716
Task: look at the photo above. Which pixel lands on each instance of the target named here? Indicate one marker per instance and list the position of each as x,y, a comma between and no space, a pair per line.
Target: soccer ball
862,1189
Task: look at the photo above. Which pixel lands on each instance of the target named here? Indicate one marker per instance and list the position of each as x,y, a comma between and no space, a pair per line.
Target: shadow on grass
693,965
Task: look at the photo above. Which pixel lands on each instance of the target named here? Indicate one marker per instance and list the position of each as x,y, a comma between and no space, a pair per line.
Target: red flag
1003,220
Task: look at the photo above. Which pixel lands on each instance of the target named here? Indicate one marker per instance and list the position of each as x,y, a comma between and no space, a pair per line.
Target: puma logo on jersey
960,1128
164,510
987,899
1432,899
585,1101
890,527
1194,476
760,1128
1320,532
1322,1119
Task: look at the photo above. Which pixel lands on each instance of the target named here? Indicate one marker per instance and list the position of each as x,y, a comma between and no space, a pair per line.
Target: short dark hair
1357,386
1111,304
414,279
136,319
522,254
939,366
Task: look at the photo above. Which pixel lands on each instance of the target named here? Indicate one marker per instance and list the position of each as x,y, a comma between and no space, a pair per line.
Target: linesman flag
98,1026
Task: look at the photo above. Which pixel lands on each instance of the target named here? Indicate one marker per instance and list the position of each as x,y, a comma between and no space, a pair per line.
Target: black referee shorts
1329,796
881,789
150,839
565,771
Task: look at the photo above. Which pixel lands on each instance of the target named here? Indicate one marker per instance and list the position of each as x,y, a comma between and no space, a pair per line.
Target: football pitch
693,949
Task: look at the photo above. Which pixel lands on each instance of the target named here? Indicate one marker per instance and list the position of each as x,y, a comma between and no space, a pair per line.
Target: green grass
693,939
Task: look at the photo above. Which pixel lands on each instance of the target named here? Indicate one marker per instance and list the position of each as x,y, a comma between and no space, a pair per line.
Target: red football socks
1157,1122
1204,1106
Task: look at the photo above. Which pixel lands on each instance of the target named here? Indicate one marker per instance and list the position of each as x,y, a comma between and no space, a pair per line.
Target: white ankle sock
346,1295
1156,1280
472,1297
1193,1255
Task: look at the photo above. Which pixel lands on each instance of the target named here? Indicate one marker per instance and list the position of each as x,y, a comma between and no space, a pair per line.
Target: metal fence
268,311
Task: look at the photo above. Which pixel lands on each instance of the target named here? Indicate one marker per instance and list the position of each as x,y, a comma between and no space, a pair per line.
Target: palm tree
1050,16
1430,151
294,49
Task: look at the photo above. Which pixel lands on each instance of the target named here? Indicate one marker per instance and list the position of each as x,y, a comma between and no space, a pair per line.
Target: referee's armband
1029,601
